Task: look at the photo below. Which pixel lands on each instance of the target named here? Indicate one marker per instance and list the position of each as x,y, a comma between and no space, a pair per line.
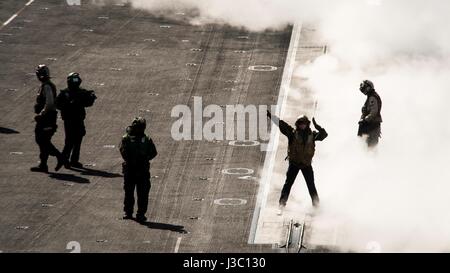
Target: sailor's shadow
163,226
8,131
93,172
69,177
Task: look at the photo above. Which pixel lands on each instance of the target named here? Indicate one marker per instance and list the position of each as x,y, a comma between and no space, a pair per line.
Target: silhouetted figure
72,102
46,116
137,149
370,121
301,150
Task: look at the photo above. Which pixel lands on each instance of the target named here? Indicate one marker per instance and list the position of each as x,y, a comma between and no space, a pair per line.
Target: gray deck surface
136,68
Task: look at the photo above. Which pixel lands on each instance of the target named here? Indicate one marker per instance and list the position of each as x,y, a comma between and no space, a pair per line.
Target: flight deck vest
301,152
365,109
40,99
136,150
48,121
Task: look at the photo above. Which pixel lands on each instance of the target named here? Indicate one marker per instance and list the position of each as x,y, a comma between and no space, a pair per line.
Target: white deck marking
15,15
177,245
10,19
275,134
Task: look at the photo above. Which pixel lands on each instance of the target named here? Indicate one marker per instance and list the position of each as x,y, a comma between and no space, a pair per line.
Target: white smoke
399,194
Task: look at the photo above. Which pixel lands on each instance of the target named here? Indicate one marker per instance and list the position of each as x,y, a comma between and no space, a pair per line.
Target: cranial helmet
365,84
74,80
42,72
302,120
138,125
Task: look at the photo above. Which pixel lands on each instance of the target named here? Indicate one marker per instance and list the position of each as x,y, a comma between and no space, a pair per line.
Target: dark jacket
72,103
301,147
137,151
371,111
46,117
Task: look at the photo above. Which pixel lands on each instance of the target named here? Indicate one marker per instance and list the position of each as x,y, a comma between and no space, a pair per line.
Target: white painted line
177,245
247,143
262,68
16,14
10,19
248,177
238,171
275,134
230,202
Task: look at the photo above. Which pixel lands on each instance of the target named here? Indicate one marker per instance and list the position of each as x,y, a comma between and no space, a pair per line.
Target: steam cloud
399,194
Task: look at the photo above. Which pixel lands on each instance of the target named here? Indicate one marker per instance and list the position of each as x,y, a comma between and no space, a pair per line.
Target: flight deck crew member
46,118
301,148
72,102
370,121
137,149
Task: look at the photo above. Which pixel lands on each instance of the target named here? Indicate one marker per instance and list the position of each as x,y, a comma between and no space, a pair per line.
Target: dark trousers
373,132
141,181
291,175
374,136
75,132
43,137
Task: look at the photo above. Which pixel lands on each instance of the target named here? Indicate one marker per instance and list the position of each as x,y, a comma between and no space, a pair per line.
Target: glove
89,98
37,118
317,126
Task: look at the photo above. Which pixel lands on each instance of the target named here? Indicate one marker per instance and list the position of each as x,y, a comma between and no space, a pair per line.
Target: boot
141,219
62,161
127,216
76,165
40,168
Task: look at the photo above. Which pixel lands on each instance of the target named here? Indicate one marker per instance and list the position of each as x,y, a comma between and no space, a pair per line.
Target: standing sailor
370,121
301,150
46,116
137,149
